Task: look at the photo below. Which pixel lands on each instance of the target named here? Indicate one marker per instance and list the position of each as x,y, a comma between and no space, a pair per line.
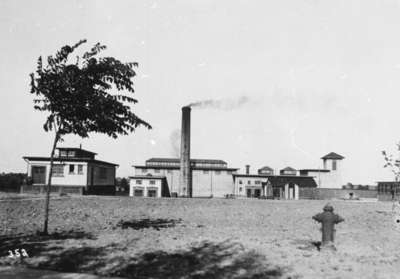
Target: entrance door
248,191
277,193
39,174
257,193
152,193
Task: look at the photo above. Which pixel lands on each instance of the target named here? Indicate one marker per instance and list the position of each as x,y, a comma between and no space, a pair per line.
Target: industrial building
284,186
187,177
213,178
209,178
330,176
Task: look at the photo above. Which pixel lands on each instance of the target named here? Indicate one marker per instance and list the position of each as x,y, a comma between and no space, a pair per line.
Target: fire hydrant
328,219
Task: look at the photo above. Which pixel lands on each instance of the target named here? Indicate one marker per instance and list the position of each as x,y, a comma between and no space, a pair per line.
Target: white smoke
223,104
175,139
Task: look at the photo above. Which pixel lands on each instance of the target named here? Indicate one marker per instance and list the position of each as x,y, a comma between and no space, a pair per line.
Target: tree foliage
78,95
83,97
392,164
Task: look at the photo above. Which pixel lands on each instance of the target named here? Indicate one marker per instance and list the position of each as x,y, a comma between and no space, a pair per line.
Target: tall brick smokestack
185,179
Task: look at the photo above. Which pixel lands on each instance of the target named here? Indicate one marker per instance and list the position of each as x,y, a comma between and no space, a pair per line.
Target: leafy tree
124,184
83,97
392,164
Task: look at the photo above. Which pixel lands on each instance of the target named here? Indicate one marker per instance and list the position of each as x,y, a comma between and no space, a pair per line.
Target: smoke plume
224,104
175,139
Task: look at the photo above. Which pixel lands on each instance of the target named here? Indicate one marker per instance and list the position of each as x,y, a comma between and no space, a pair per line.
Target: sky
319,76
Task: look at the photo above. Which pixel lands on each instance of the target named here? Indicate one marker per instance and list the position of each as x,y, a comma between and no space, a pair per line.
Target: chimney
247,169
185,179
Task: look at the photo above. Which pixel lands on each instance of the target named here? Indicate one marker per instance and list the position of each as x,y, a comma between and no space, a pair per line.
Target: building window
333,165
63,153
152,193
169,171
71,169
138,193
138,182
240,182
152,182
157,171
205,171
71,153
217,172
248,182
58,170
103,173
144,170
257,182
240,189
80,169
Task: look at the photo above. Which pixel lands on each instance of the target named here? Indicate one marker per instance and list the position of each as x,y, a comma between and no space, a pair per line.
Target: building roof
68,159
76,149
266,168
288,169
333,156
178,167
314,170
147,177
177,160
250,175
282,180
301,181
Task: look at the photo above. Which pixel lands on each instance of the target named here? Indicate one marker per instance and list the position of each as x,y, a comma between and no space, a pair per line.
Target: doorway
39,174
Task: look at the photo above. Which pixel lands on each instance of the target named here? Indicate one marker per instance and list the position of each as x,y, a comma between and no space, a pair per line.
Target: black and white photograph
196,139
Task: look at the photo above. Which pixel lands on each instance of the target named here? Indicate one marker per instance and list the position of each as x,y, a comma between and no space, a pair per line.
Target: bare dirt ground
200,238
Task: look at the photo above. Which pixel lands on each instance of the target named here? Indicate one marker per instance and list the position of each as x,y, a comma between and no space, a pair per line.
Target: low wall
106,190
327,194
388,197
10,189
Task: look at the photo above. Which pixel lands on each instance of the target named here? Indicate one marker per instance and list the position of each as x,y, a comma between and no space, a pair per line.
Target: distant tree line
122,184
351,186
11,182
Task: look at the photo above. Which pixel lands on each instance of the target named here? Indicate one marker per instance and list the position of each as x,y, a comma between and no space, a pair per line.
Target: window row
58,170
204,171
388,188
139,182
249,182
69,153
151,193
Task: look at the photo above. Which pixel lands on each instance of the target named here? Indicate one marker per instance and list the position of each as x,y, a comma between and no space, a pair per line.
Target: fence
327,194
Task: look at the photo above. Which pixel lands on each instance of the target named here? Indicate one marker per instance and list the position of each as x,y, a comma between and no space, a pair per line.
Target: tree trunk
46,212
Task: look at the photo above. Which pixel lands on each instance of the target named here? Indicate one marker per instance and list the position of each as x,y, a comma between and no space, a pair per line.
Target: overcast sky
320,76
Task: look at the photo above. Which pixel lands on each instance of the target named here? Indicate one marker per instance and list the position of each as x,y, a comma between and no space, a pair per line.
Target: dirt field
200,238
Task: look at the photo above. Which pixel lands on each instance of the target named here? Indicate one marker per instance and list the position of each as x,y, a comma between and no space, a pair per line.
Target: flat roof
177,160
315,170
68,159
75,149
270,175
147,177
178,167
